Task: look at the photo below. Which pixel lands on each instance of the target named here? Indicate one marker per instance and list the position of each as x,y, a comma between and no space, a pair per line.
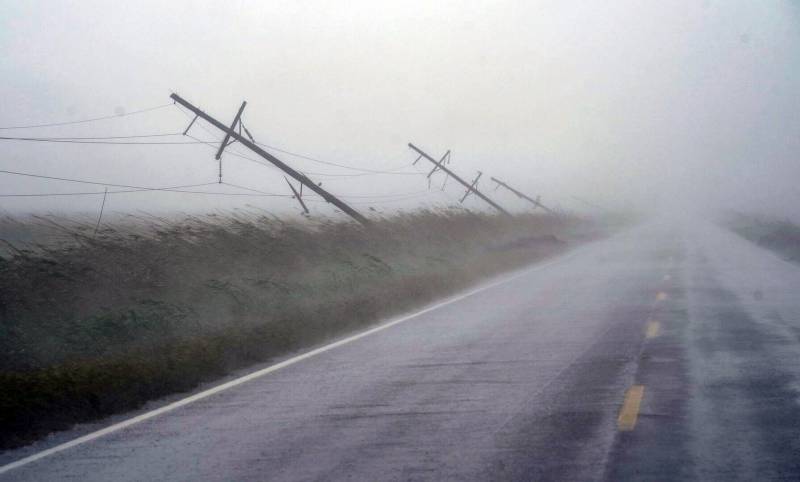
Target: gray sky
659,103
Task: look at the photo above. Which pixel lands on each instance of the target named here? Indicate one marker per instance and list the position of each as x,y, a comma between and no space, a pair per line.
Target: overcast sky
648,103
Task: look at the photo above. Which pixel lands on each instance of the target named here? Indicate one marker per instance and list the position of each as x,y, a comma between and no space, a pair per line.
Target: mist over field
649,105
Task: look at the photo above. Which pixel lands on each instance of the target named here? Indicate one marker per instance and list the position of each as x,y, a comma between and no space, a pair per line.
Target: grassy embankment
102,324
780,236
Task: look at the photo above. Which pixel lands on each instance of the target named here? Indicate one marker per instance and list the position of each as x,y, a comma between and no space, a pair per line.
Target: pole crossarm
473,186
459,180
521,195
445,157
302,178
225,142
297,195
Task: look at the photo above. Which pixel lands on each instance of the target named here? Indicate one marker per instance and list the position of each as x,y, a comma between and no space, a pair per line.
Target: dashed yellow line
661,296
630,408
653,328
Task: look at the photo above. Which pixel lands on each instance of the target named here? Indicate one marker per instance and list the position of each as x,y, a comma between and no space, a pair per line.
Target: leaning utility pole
470,187
302,178
523,196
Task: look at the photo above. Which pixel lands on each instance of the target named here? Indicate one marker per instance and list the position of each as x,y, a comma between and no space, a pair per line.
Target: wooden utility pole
469,187
302,178
523,196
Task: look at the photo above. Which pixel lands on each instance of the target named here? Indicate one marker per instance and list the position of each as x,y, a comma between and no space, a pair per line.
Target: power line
313,173
182,189
100,138
364,171
321,174
256,161
252,190
129,188
380,196
328,163
230,151
175,189
55,124
70,140
148,190
92,193
83,181
376,196
124,188
442,190
389,201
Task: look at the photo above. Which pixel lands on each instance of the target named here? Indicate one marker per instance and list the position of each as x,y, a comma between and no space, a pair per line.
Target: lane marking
653,328
661,296
630,408
667,277
291,361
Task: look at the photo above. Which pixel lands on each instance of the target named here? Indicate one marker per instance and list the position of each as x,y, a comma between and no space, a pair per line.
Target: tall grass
94,325
781,236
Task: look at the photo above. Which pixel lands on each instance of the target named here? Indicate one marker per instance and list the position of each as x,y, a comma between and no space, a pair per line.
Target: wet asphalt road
526,380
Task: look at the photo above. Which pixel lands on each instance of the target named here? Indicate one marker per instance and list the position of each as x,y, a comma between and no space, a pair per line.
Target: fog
669,105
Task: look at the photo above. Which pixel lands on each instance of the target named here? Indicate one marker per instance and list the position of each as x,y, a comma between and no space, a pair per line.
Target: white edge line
260,373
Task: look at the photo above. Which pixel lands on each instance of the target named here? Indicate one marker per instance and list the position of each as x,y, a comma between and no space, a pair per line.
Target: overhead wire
143,189
328,163
69,140
67,179
100,138
442,190
125,188
129,187
253,190
384,201
93,119
156,189
363,171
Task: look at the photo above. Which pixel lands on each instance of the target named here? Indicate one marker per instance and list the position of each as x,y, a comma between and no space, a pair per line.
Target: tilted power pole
523,196
470,188
302,178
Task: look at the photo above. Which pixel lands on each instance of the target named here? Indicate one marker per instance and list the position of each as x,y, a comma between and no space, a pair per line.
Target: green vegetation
780,236
100,325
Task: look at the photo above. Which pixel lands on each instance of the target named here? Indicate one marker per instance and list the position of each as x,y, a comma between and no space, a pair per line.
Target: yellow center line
653,327
661,296
630,408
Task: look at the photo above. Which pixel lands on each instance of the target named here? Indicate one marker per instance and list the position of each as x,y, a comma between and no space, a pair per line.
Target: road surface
667,352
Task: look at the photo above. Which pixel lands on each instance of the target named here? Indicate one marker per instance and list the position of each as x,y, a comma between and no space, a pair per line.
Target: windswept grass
98,325
781,236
